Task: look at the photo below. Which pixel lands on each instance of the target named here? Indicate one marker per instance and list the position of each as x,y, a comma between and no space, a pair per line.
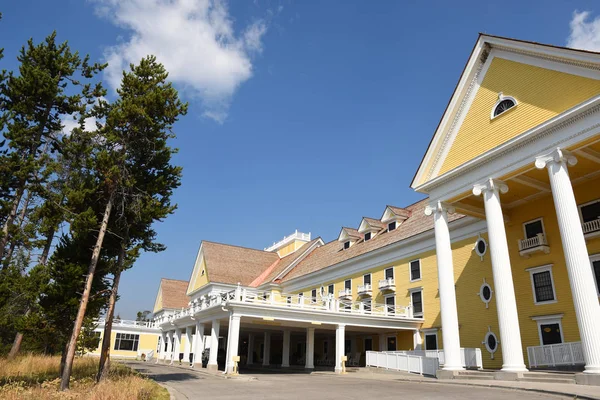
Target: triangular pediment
542,83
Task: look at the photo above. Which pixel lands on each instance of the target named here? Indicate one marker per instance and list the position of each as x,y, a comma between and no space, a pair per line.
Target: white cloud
69,124
585,32
194,39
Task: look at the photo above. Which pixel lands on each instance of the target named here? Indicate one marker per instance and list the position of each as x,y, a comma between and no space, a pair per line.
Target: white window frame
347,242
476,248
370,302
534,220
393,296
539,269
313,299
393,273
348,280
583,205
547,320
595,257
410,271
432,331
487,346
501,98
395,225
332,287
370,236
410,293
371,279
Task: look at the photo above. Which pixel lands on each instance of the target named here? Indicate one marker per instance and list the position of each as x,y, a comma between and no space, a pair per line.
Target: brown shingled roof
288,260
401,212
330,254
233,264
353,233
173,293
374,222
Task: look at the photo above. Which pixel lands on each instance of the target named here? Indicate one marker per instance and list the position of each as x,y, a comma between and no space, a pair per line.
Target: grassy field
36,377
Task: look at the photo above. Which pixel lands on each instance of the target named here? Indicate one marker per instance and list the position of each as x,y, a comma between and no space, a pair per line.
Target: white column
188,344
382,342
161,350
285,353
585,297
169,352
340,340
417,340
214,345
506,303
233,338
449,311
267,349
177,346
250,358
199,344
310,348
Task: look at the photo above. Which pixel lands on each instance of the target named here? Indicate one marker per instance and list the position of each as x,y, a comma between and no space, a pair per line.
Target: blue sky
303,114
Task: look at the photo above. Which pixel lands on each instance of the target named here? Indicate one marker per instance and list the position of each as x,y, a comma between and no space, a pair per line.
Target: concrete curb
217,374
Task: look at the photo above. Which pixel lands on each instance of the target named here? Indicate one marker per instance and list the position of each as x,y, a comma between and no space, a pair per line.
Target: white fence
400,361
552,355
469,357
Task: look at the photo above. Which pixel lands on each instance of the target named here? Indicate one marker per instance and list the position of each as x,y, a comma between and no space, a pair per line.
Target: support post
198,345
161,350
188,349
267,349
506,303
177,347
310,348
340,342
581,278
214,345
449,311
233,338
250,358
285,353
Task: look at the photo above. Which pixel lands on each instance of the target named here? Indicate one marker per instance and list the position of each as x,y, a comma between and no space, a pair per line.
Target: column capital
489,185
438,207
557,155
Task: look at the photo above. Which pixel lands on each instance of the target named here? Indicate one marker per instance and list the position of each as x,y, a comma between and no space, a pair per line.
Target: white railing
286,239
365,290
387,284
552,355
469,357
149,353
345,293
399,361
536,241
326,303
591,226
125,322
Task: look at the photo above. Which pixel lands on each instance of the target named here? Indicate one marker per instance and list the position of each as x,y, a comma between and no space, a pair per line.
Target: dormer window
503,104
391,226
346,244
367,236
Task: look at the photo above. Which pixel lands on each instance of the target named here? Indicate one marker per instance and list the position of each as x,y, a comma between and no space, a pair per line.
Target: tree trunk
47,246
9,220
14,350
66,375
104,366
21,220
63,358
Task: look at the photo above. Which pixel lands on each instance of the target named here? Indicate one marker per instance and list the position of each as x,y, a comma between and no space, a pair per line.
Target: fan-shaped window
503,104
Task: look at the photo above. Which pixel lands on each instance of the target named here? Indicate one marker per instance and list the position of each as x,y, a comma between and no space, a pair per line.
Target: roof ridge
239,247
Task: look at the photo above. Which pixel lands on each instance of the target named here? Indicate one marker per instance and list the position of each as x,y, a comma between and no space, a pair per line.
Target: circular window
491,342
485,293
480,247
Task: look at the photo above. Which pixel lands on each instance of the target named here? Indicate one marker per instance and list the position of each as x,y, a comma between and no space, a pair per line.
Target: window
595,260
416,297
367,279
480,247
485,293
532,228
347,346
431,341
542,284
300,298
346,244
348,284
389,273
391,343
368,344
367,305
367,236
415,270
390,304
313,295
158,344
491,342
330,289
550,329
127,341
289,299
391,226
590,211
503,104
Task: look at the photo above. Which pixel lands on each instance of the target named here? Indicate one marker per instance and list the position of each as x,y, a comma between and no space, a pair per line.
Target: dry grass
36,377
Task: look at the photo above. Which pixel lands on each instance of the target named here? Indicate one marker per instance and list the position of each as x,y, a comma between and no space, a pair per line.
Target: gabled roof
349,233
370,224
435,154
280,267
172,292
330,254
233,264
392,211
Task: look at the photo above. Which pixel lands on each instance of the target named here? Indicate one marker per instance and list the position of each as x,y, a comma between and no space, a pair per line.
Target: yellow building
498,268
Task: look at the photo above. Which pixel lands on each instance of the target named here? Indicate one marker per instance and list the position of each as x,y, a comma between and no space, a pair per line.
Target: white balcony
365,290
533,245
387,284
591,228
552,355
345,294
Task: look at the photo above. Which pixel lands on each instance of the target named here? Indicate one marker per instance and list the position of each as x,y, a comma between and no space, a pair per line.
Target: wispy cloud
585,31
194,39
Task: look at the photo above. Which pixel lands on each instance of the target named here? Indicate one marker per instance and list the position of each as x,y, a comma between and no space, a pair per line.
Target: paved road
192,385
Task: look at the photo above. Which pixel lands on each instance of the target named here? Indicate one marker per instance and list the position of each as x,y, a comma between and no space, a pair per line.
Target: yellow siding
158,303
290,248
201,277
541,94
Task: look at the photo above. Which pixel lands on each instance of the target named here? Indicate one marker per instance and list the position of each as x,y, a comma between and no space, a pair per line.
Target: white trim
485,284
531,221
410,271
536,270
302,256
548,320
410,293
370,279
485,342
430,332
476,248
385,273
501,98
579,206
594,258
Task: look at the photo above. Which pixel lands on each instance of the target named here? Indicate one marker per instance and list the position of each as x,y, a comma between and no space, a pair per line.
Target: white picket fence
400,361
469,357
553,355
